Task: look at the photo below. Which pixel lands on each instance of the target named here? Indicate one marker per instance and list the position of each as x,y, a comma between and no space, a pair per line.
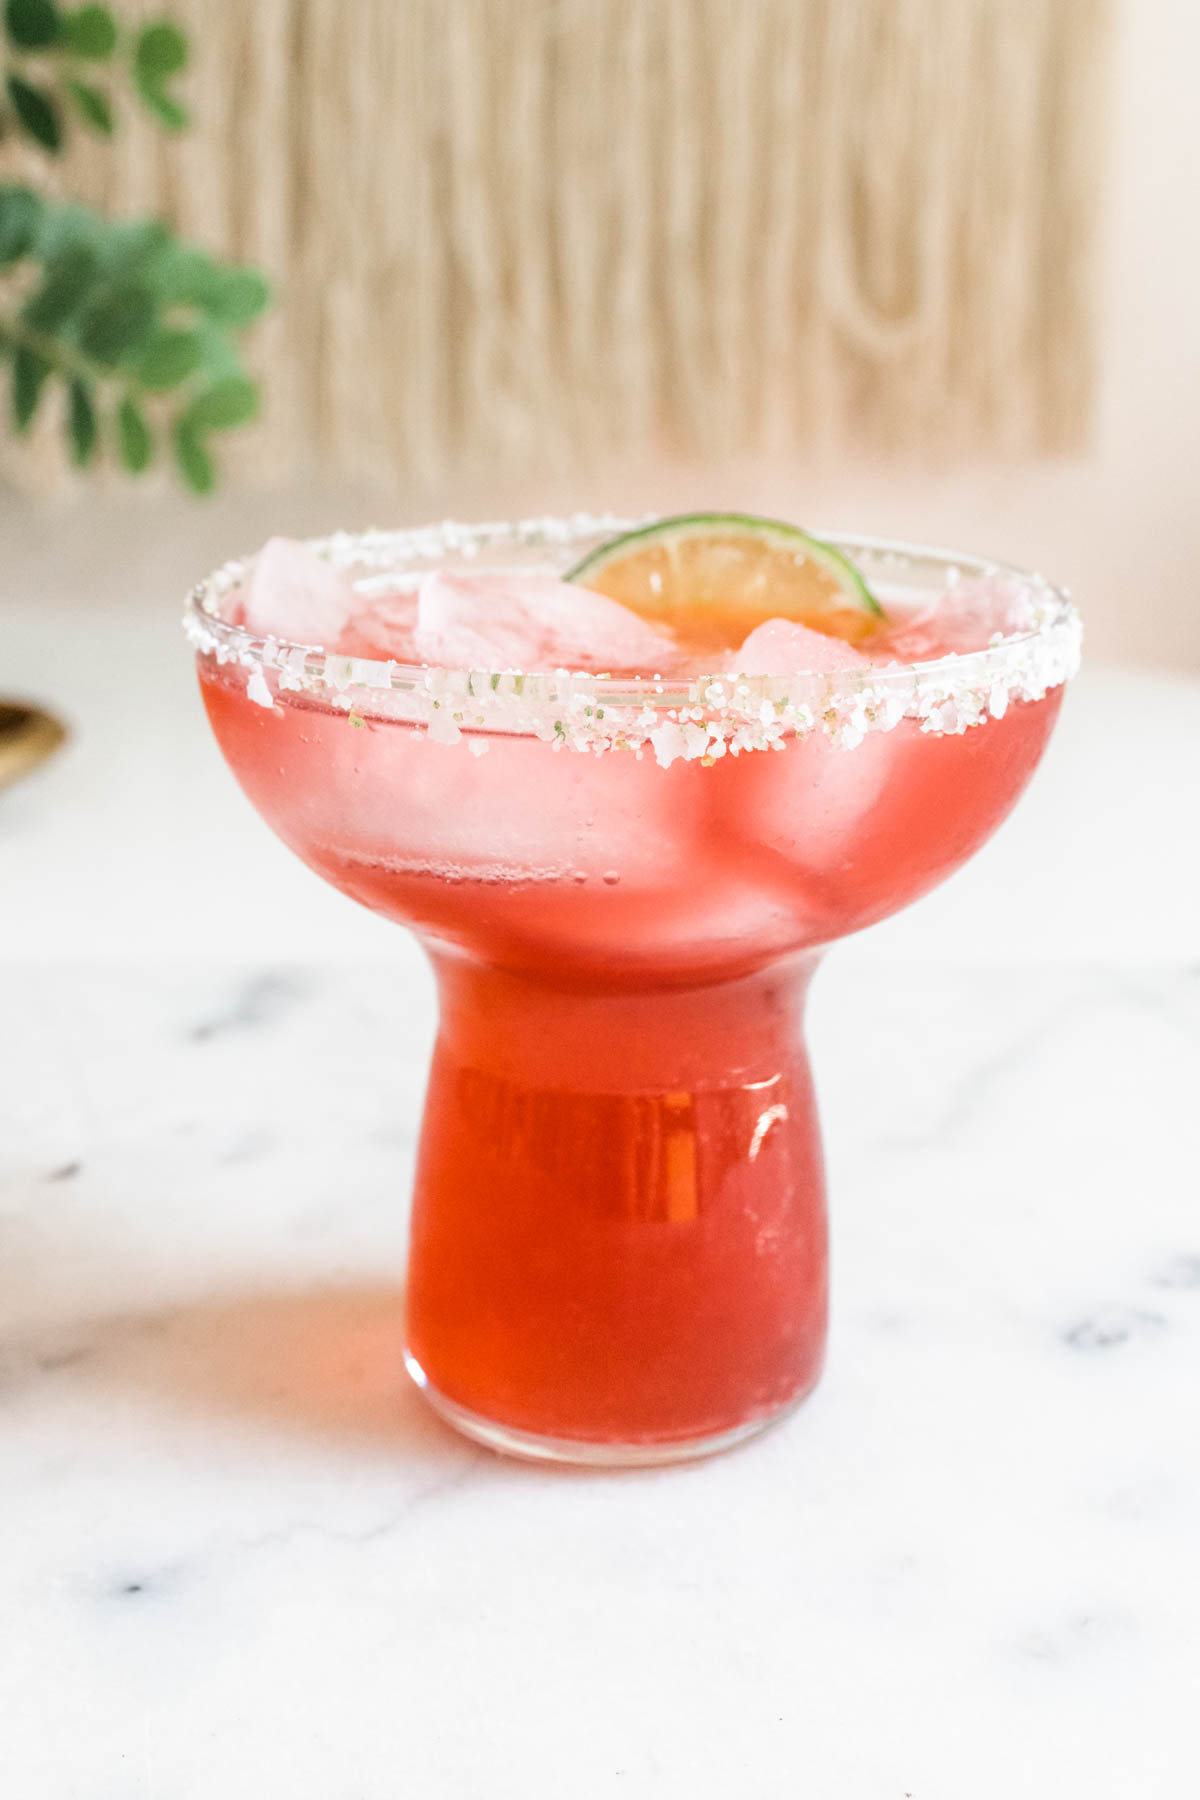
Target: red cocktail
624,881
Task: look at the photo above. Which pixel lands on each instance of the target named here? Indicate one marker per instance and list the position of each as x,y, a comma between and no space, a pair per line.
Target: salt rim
703,717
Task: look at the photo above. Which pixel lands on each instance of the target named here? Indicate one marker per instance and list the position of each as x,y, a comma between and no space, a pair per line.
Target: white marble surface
237,1555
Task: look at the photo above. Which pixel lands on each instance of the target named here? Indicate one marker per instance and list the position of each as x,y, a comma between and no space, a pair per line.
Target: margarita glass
618,1246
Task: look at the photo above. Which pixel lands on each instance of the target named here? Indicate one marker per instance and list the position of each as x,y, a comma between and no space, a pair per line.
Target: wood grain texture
544,231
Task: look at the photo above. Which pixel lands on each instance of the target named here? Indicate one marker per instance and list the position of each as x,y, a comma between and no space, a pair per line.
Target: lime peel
688,567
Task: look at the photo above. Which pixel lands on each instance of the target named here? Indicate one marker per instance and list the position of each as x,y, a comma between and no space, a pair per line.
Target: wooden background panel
544,231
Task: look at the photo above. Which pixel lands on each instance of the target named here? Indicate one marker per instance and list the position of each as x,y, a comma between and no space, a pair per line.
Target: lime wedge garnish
712,577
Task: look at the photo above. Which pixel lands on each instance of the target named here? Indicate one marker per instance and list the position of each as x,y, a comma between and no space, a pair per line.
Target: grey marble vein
258,1002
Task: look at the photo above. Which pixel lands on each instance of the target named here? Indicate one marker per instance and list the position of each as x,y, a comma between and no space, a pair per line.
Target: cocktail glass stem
619,1245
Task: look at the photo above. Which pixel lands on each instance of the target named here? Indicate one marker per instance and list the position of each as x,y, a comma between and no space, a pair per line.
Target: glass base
588,1453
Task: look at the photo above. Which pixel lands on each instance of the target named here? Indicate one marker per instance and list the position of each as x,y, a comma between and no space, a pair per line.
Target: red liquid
618,1228
619,1219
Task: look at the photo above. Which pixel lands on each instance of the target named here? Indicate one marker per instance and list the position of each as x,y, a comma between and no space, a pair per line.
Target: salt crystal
258,691
442,728
669,743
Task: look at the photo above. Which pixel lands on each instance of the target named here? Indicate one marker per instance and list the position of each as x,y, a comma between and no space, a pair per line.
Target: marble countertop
240,1557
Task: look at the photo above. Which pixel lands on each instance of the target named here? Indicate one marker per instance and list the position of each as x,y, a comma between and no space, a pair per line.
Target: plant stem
62,357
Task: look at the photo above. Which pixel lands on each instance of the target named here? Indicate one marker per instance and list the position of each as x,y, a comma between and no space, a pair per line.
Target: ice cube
790,822
972,610
962,619
779,647
384,630
527,621
293,594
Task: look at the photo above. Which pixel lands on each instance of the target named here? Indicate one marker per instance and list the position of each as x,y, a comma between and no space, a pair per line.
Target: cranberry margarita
624,816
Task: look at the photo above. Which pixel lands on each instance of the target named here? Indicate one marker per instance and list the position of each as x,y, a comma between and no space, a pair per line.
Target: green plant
140,328
51,56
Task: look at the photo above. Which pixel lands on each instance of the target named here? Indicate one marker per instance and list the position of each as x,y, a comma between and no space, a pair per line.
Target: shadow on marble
322,1364
324,1361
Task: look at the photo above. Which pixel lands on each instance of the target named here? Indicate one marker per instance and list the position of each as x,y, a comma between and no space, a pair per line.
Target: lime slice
713,577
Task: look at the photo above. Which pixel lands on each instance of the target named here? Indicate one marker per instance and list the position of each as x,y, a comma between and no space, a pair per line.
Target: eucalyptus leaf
63,227
231,401
20,211
66,286
31,24
121,319
29,372
36,112
90,31
188,277
230,293
161,50
135,248
134,438
81,423
94,105
195,464
240,295
168,358
169,113
219,352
